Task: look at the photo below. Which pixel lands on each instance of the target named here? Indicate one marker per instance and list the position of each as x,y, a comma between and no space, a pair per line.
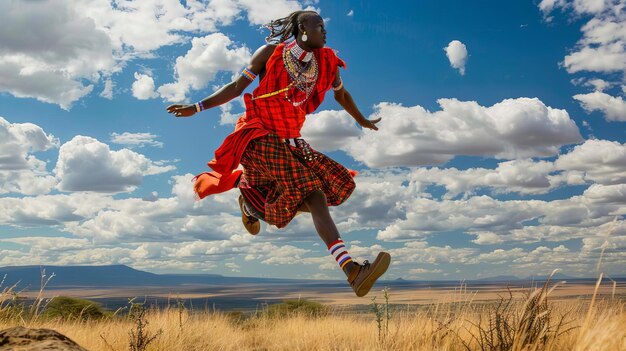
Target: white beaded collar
298,52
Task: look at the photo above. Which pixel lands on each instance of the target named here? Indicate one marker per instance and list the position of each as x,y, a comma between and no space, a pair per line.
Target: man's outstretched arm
230,90
344,98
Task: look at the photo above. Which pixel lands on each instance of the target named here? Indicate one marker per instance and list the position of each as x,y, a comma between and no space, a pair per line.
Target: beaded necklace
299,53
302,77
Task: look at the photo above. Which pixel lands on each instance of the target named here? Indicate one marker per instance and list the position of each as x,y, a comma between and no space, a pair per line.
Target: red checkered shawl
274,115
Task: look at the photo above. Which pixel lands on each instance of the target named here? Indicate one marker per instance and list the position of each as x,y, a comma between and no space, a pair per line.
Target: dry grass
529,322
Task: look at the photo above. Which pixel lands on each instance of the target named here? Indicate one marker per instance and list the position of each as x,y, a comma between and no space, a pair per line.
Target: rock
25,339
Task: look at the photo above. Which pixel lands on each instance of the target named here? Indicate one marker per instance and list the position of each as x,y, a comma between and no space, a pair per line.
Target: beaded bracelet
248,74
338,87
199,106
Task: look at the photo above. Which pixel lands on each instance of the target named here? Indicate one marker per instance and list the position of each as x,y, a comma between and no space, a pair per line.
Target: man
281,173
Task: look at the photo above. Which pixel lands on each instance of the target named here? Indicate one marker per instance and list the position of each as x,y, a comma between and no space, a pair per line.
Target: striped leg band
338,250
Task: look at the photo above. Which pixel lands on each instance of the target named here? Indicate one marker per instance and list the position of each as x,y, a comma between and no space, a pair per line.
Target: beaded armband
248,74
338,87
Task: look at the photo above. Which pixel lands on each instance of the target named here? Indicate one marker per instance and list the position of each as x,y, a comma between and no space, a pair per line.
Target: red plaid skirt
277,177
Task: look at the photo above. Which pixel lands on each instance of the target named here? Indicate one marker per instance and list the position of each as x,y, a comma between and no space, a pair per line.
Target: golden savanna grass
531,321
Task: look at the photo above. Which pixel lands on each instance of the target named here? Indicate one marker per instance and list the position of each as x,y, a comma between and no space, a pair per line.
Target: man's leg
361,277
316,204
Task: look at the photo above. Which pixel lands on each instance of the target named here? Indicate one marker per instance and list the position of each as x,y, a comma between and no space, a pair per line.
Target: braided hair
284,28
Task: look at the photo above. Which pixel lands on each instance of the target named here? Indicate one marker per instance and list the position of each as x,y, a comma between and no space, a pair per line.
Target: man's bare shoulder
265,51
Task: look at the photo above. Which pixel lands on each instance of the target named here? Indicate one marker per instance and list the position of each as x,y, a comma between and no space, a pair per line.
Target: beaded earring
304,37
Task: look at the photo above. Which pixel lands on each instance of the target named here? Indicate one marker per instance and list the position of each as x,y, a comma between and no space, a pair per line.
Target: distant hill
499,278
114,276
556,276
107,276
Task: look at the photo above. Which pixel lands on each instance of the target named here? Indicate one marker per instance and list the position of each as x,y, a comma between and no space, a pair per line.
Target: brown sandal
252,224
363,277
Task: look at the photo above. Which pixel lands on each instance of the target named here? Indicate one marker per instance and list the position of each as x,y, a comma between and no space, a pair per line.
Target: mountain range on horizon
124,276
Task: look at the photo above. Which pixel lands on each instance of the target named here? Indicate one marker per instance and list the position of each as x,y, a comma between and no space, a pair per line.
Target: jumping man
281,173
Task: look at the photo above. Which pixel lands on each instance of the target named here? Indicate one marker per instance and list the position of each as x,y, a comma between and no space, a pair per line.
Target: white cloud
207,56
596,6
233,266
107,92
607,194
414,136
20,139
286,254
180,233
546,6
227,116
262,12
135,139
421,252
457,54
20,171
329,130
143,87
50,210
486,238
64,47
479,213
602,47
613,108
593,162
523,176
85,164
601,161
47,48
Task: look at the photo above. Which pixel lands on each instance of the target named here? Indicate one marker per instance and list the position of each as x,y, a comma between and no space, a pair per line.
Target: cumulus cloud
135,139
54,50
208,56
596,83
20,171
457,54
329,130
180,233
414,136
86,164
382,195
262,12
492,220
602,47
227,115
63,48
546,6
522,176
612,107
601,161
143,87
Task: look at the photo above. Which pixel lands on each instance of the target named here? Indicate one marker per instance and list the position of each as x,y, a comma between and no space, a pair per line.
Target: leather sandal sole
380,269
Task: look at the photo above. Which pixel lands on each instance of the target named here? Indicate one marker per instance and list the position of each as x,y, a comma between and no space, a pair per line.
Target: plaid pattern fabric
277,114
288,174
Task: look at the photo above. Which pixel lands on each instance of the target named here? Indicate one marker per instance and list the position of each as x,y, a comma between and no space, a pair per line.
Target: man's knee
316,198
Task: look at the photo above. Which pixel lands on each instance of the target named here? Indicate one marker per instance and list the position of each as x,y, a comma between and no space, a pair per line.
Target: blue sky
501,148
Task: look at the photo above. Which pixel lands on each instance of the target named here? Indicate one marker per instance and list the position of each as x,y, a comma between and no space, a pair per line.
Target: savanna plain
547,315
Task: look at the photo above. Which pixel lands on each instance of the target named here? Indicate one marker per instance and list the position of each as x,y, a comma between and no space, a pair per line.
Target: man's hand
182,110
371,124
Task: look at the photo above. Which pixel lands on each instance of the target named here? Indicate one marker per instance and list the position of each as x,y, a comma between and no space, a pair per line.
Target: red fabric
269,115
277,114
289,174
208,183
